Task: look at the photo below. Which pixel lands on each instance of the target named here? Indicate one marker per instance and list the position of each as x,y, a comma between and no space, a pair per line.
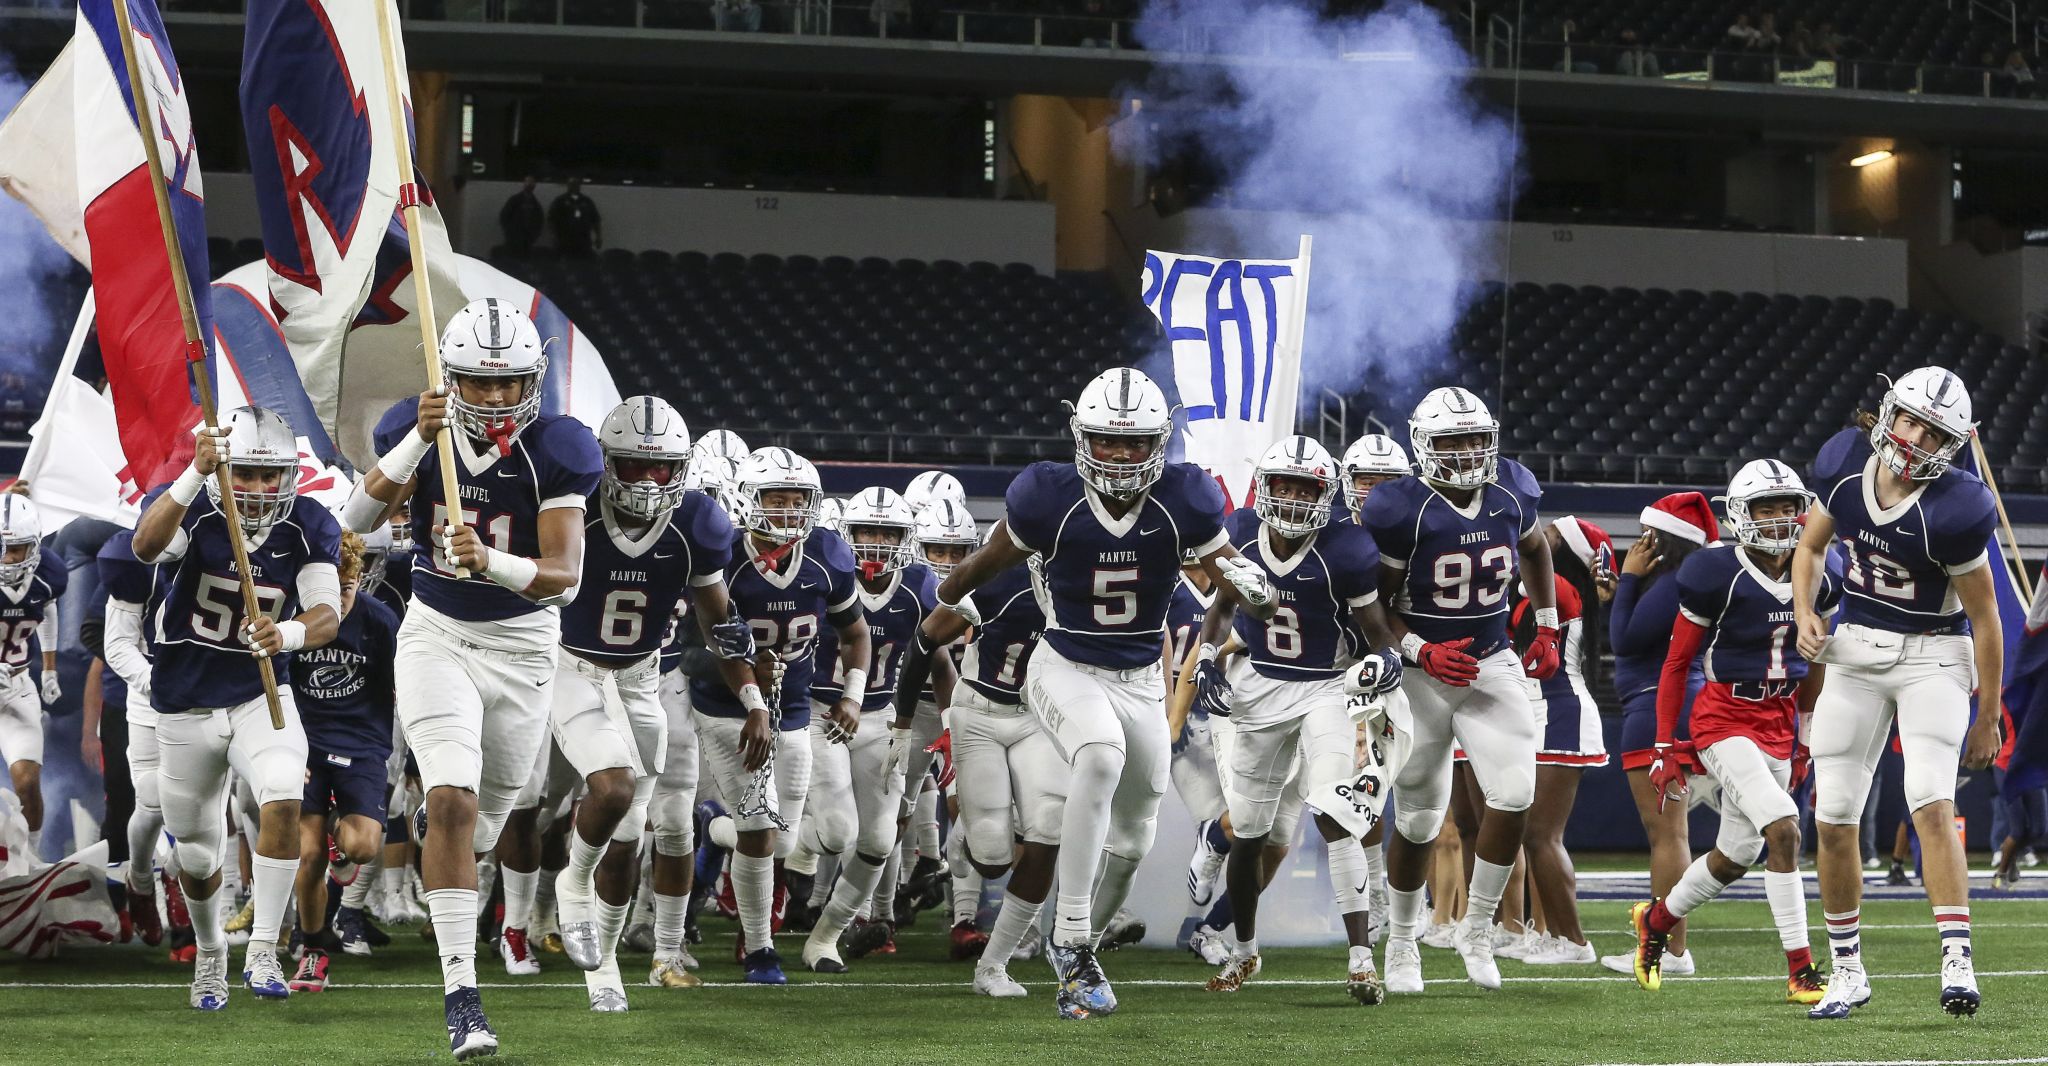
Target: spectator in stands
1578,55
1766,39
891,17
1741,37
578,228
2015,78
1830,44
522,219
736,16
1634,59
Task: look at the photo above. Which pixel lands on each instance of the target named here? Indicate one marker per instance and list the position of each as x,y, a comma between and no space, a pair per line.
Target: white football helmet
1759,480
20,526
1301,458
946,524
400,528
872,511
1454,412
832,514
647,433
1373,455
723,443
779,468
1933,396
260,439
932,486
1121,403
490,338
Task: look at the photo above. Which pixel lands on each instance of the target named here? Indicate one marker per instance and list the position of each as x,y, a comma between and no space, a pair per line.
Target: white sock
967,881
544,891
583,857
1084,826
207,920
822,881
520,888
394,881
272,892
722,831
1244,947
1695,887
611,921
885,888
857,880
1017,920
1347,874
1787,893
670,914
753,888
144,827
1489,881
926,817
1112,886
1404,909
801,861
454,914
1375,869
358,891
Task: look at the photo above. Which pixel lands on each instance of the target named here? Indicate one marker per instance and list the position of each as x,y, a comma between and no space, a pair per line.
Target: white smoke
1367,123
31,267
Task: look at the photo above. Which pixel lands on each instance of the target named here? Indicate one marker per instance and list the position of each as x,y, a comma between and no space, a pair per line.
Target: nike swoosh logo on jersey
1904,532
1496,514
508,473
1149,532
659,555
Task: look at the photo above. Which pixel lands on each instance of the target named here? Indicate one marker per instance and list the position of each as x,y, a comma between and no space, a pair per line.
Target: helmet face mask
1767,506
646,457
946,536
492,364
1922,424
779,491
880,528
21,537
1456,440
1293,487
262,454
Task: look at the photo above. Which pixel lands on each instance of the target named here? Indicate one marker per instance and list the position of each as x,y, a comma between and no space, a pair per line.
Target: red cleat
968,942
142,915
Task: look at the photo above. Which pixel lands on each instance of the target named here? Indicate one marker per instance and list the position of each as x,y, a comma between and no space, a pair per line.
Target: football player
1287,696
647,543
32,579
344,692
477,648
721,444
1919,630
671,811
1373,459
1451,540
1111,529
788,579
926,490
129,586
1193,769
1735,606
946,536
205,681
856,793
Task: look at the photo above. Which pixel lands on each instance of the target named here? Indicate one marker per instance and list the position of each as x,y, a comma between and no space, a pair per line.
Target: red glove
943,748
1448,663
1668,771
1541,660
1802,767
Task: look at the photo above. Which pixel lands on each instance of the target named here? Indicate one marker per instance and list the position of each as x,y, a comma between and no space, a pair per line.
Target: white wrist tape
1546,618
188,486
293,634
515,572
1411,646
856,687
750,698
1206,654
403,459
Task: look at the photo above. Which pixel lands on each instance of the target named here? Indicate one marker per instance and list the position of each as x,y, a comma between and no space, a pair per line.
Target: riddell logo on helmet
493,364
1121,423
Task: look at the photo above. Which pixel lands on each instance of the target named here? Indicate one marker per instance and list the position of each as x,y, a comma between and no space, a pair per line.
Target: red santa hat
1592,545
1686,515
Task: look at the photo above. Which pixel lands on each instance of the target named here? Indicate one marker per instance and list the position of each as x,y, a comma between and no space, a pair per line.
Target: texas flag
142,336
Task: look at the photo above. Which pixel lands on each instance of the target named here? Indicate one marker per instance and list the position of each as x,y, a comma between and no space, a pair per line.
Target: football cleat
871,938
1081,978
764,967
348,926
1124,928
312,973
801,917
469,1032
517,953
608,1000
419,824
264,976
142,911
1027,949
1404,967
1439,935
1806,987
1959,994
574,905
1896,876
1519,946
1648,966
1848,988
1205,867
669,972
967,941
1235,972
1363,983
1210,946
996,981
638,937
1474,941
1675,964
243,918
821,952
210,981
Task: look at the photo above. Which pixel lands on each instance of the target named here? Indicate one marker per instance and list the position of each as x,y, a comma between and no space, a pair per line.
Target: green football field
123,1005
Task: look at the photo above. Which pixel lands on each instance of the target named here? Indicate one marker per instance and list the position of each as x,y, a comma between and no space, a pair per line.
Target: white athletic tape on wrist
1411,646
1546,618
750,698
404,457
515,572
1207,654
188,486
856,686
292,634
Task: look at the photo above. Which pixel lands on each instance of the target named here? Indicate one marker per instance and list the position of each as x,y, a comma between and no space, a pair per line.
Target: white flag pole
1291,390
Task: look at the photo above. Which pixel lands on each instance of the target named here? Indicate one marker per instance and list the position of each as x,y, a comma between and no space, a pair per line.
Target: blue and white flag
1235,327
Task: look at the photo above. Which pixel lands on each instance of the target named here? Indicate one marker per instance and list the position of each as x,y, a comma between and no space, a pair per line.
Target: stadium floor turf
123,1005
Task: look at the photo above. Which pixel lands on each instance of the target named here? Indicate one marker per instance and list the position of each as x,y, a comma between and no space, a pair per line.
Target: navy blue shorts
2026,817
1639,729
359,787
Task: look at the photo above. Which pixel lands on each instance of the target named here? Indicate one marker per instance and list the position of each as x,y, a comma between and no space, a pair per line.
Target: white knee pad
1930,779
1840,785
1513,790
199,854
669,814
990,841
1417,825
489,824
147,795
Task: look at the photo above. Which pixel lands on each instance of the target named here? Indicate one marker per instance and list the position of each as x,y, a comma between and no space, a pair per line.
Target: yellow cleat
1649,957
243,919
551,943
669,973
1807,986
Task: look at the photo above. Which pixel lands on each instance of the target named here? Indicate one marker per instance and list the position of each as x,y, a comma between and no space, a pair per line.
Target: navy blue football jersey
631,586
1109,580
1752,635
1184,614
21,609
201,661
1901,558
1458,564
893,617
788,607
1011,623
126,578
1335,570
345,689
553,460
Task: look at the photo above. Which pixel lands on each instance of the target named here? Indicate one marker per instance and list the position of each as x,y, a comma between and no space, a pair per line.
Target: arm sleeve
123,644
319,585
1687,637
48,630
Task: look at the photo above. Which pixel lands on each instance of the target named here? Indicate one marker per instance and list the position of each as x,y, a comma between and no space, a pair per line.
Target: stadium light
1878,156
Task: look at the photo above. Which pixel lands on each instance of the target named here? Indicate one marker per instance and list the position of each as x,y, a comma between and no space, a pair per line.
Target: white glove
1376,673
894,762
51,689
965,609
1246,577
